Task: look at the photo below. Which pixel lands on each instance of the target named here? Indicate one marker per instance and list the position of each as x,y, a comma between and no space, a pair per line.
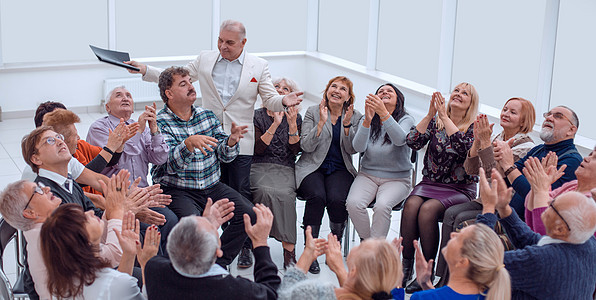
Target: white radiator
142,92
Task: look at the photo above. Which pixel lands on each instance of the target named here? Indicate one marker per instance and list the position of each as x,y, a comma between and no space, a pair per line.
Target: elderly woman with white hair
272,178
559,265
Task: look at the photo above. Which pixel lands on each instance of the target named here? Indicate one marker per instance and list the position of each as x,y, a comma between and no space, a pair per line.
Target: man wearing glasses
558,265
558,131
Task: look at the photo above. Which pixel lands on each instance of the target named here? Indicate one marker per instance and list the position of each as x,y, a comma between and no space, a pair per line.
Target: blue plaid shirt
186,169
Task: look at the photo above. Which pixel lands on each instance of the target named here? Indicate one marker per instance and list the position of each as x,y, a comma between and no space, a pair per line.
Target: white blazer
255,79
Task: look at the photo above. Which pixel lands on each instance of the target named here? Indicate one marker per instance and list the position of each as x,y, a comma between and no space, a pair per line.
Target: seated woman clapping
272,177
385,166
517,119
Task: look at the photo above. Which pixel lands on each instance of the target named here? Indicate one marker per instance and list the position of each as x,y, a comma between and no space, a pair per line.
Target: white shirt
110,285
226,76
75,168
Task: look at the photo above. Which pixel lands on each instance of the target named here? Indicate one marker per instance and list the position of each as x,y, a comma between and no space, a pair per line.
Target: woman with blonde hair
475,255
374,271
516,119
449,133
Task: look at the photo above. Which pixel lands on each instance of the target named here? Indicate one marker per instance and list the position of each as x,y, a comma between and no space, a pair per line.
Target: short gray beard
547,135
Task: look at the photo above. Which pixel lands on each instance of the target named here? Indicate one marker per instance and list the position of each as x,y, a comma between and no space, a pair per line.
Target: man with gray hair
194,245
146,146
558,131
559,265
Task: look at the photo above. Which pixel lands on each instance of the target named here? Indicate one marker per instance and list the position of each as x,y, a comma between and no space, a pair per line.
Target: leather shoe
314,267
413,287
244,259
289,258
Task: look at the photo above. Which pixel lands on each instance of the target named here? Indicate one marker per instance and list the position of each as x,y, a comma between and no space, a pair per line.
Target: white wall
501,47
277,25
574,73
343,29
412,54
497,48
149,28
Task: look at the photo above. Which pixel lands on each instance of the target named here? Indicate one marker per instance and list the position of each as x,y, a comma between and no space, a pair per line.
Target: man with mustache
230,81
558,131
198,143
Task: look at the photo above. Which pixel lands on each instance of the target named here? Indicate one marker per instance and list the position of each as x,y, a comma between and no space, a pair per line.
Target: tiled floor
12,163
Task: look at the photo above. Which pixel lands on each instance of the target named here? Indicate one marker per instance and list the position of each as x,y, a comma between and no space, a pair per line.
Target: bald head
578,211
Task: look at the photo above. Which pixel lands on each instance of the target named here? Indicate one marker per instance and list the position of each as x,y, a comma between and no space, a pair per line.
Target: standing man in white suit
230,80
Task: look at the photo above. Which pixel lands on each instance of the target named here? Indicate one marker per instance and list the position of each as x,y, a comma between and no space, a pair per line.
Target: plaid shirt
186,169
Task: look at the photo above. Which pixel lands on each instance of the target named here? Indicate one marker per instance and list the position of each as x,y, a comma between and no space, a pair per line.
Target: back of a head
486,253
580,216
378,268
45,108
192,249
64,240
59,119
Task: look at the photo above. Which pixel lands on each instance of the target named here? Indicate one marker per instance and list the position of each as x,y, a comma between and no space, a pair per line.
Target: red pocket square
253,80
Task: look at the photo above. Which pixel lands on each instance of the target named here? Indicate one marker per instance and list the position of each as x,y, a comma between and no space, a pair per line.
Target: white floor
12,163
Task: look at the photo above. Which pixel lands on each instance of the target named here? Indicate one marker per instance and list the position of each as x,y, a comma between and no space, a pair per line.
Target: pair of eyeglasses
557,212
557,115
51,140
38,190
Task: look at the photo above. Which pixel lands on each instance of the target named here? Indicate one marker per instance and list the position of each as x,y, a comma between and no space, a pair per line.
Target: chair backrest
7,232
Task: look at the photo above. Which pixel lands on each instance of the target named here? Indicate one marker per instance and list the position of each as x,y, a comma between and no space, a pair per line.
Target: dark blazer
164,282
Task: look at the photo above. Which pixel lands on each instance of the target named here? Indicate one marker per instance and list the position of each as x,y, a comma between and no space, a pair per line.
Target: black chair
398,207
7,233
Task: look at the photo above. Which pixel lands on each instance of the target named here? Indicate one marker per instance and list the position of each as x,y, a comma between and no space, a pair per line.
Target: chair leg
347,239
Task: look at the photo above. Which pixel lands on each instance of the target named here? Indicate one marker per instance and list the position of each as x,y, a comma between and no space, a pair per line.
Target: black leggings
320,191
420,219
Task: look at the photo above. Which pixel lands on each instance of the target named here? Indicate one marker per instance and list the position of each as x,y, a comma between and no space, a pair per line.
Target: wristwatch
348,126
509,170
155,133
293,134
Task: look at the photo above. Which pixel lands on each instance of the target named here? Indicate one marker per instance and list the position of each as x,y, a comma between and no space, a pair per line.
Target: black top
77,196
279,151
164,282
334,161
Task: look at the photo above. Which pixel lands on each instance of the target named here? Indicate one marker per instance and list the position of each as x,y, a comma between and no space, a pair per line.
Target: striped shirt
186,169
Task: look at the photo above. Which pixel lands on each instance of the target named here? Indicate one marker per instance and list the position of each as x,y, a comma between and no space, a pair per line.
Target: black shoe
338,230
244,259
408,267
314,267
413,287
289,258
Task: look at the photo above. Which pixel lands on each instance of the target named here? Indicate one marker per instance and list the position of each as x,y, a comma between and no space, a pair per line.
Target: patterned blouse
279,151
445,155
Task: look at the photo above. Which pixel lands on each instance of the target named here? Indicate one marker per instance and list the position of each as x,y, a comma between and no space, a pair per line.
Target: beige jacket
240,108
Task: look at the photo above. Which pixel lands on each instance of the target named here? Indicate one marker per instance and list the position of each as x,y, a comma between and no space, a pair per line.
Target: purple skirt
448,194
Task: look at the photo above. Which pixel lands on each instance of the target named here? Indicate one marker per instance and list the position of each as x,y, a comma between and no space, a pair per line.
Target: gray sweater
385,160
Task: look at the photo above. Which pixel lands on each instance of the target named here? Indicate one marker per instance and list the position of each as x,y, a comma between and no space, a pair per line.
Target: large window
497,48
343,29
575,62
148,28
403,51
49,31
271,25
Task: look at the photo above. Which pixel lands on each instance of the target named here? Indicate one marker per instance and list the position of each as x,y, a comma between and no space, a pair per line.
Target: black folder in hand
113,57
